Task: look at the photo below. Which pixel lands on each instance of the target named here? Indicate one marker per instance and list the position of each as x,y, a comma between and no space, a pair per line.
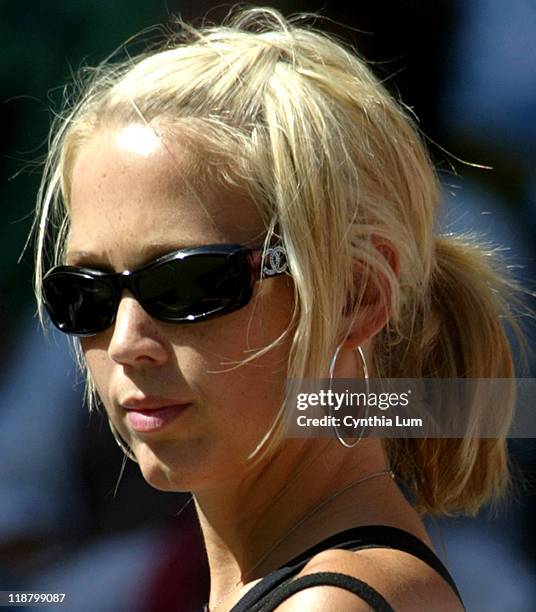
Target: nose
136,339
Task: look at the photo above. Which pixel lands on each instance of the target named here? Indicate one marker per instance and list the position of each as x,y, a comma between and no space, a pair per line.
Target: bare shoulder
405,582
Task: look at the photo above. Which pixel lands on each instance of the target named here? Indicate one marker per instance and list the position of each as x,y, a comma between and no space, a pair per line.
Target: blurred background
68,522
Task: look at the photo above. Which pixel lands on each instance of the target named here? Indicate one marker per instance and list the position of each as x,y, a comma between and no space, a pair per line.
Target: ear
373,313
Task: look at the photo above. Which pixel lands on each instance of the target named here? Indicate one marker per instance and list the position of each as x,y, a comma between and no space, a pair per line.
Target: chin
169,468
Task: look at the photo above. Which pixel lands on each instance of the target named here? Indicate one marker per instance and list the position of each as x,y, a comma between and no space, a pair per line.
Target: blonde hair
336,165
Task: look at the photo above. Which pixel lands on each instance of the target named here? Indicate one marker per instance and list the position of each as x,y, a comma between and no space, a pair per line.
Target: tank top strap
356,538
378,536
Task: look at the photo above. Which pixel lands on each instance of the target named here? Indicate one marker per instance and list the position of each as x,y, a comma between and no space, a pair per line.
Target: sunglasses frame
250,264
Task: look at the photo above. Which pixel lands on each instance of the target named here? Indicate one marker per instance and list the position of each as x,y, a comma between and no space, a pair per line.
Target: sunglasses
185,286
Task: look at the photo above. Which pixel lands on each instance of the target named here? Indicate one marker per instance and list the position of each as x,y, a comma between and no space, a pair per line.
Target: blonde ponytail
458,331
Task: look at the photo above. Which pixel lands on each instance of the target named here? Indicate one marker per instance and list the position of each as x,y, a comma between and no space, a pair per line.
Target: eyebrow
82,257
146,253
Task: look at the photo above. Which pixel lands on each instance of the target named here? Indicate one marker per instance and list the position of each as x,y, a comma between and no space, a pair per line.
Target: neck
253,526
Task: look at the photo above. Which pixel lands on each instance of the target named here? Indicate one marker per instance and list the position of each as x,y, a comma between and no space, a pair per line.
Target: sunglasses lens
78,303
193,288
182,289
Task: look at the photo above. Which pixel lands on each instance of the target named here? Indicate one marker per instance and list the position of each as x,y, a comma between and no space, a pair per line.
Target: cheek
255,387
98,364
232,339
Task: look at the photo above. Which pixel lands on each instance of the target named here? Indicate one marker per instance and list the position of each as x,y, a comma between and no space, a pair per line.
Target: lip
151,413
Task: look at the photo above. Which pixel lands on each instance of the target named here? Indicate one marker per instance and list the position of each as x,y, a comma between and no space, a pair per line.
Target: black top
279,585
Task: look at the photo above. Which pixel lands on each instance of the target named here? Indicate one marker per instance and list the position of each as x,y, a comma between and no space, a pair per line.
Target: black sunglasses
185,286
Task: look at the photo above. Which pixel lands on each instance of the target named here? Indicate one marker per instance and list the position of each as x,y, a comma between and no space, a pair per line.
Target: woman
247,206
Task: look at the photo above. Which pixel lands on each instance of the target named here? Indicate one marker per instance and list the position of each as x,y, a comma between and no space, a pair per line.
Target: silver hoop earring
127,451
332,363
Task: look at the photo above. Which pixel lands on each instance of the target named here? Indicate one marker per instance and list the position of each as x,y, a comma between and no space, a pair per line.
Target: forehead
131,189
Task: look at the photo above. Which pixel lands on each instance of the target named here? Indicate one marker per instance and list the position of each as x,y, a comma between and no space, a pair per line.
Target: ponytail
456,332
